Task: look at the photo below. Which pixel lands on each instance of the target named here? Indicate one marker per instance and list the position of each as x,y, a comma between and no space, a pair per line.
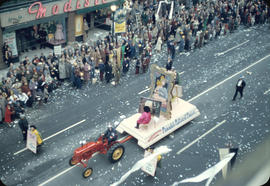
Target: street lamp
113,9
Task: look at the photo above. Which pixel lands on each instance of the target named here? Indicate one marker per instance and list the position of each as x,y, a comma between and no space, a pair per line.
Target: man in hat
42,38
110,134
23,124
240,85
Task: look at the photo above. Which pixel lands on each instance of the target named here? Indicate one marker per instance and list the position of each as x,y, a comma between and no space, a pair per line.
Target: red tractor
115,151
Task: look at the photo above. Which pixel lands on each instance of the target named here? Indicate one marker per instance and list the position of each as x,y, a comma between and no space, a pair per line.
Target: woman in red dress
8,114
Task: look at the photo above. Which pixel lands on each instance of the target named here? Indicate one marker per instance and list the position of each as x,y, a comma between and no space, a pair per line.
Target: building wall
71,27
2,64
22,15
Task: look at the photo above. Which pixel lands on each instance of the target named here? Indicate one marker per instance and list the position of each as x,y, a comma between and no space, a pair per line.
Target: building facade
28,24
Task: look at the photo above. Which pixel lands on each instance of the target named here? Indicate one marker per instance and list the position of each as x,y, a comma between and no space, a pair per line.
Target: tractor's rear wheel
116,152
87,172
72,162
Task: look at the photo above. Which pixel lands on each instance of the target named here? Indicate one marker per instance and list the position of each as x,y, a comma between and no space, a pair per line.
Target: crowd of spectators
110,58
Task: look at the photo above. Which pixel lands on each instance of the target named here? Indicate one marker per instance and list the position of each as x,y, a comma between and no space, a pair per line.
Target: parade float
169,112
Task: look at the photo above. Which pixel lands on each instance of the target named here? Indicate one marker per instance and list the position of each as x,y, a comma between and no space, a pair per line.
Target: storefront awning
98,7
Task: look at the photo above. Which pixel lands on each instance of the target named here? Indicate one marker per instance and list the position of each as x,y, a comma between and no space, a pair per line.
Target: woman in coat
8,114
3,106
62,69
159,44
86,72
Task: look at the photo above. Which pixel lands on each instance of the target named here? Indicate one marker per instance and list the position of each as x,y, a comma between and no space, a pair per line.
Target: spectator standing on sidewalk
62,68
8,56
4,49
8,113
3,104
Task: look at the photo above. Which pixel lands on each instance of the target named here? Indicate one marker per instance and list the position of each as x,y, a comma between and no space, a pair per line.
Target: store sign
15,20
40,10
10,39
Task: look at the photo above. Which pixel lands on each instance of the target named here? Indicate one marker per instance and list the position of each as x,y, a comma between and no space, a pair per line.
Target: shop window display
41,36
56,33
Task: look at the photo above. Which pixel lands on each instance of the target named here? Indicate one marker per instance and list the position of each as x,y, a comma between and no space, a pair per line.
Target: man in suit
240,85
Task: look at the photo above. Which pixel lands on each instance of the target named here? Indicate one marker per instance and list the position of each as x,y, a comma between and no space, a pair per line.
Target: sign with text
57,50
150,167
120,21
78,25
10,38
31,142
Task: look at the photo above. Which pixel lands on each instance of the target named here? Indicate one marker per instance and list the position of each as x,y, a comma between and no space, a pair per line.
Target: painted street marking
181,73
229,78
59,132
266,92
186,147
144,91
63,172
57,175
222,53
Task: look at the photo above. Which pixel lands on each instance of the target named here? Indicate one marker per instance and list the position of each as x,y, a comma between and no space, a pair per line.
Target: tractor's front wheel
116,152
72,162
87,172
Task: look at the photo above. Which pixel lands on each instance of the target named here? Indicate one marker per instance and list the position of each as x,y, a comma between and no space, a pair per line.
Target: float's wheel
87,172
116,152
72,162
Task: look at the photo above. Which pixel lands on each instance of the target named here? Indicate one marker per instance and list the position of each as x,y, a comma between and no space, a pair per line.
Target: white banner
208,174
10,38
31,143
150,167
57,50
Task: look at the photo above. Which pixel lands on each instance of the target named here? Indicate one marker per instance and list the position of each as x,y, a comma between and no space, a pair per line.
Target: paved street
208,77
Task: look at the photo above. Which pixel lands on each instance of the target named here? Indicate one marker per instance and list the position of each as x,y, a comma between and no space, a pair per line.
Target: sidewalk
93,35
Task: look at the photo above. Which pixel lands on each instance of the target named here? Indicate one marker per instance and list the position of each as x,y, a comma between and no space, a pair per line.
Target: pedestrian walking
23,124
240,85
34,130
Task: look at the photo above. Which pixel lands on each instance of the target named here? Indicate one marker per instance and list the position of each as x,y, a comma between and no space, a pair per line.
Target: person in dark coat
240,85
132,50
125,65
108,71
138,64
42,38
169,64
110,135
23,124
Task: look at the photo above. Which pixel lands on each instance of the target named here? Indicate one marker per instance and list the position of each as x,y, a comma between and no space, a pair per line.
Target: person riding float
145,118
